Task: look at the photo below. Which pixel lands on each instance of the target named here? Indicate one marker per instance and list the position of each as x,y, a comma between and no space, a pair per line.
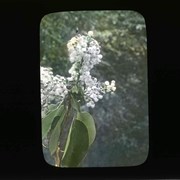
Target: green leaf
75,104
88,121
76,146
81,90
52,107
74,89
55,133
54,122
48,119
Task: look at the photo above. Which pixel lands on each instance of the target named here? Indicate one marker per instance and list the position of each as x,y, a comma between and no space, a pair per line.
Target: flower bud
106,83
90,33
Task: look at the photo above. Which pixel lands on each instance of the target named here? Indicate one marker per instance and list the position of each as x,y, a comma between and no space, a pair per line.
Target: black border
20,137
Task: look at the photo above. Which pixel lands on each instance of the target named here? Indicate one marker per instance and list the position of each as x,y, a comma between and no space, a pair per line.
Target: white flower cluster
109,87
84,53
53,88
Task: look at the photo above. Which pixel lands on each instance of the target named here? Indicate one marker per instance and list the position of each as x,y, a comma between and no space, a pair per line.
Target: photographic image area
94,88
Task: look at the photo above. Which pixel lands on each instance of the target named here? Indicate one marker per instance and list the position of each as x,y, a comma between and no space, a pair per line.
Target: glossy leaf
76,146
52,107
75,104
48,119
55,134
88,121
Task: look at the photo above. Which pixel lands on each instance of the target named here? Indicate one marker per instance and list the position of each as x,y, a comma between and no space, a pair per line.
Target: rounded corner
45,159
44,16
140,14
144,160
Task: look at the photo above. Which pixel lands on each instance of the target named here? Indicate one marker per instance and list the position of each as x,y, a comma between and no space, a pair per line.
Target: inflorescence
84,54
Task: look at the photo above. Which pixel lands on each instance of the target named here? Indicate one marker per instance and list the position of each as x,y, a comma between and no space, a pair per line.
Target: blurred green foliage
122,119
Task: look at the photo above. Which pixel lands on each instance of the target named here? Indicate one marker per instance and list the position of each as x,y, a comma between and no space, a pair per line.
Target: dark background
20,139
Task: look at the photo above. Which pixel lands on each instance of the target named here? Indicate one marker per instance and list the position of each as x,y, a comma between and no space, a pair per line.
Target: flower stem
57,158
64,132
